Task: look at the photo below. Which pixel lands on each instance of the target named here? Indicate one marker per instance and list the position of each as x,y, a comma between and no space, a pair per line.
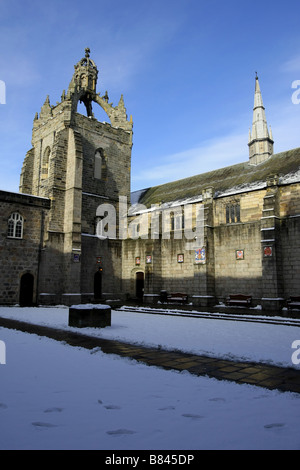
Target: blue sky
186,69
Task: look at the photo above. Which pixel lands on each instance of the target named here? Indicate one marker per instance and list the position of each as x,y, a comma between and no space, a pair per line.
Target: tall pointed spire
260,139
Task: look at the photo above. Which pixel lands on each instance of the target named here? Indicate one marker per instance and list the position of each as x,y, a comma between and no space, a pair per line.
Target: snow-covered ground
54,396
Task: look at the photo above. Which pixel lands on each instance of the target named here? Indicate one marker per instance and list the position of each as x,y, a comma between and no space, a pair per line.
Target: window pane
232,212
227,215
10,231
18,229
98,166
237,213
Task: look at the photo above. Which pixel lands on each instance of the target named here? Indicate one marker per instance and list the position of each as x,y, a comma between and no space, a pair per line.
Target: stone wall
290,238
20,255
258,255
250,238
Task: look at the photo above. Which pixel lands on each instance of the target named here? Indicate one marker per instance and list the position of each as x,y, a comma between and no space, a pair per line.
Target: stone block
95,316
272,304
203,300
151,298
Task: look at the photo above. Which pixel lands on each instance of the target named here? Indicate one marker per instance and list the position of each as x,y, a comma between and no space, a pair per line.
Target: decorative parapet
83,88
117,114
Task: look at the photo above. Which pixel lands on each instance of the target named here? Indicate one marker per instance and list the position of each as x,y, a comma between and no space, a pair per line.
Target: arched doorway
139,284
98,285
26,290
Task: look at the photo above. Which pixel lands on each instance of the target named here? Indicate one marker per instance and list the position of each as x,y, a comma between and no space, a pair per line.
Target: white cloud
220,152
292,65
286,128
212,154
121,56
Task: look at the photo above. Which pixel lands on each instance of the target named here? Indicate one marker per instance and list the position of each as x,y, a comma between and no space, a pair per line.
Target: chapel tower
260,138
79,163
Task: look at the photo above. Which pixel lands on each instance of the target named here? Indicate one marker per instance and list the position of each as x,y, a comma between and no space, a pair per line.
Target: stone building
232,230
78,163
22,219
250,238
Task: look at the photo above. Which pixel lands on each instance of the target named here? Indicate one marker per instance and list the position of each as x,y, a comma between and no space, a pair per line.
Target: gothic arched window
98,164
100,169
15,226
45,162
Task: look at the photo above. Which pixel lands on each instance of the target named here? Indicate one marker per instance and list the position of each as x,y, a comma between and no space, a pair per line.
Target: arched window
98,164
45,162
100,169
15,226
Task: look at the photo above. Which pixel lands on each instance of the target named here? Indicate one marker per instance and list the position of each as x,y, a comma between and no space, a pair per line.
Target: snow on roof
235,179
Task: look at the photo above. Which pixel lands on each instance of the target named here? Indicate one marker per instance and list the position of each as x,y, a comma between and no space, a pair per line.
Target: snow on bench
177,297
239,299
293,302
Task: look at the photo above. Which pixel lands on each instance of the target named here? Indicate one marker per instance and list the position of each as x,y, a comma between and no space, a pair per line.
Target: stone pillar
271,249
204,267
72,220
153,279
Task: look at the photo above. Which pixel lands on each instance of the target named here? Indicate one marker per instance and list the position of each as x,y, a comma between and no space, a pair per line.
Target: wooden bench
239,299
293,302
177,297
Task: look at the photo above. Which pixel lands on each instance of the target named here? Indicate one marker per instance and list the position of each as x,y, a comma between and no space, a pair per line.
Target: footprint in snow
192,416
3,406
41,424
167,408
274,425
217,399
112,407
118,432
53,410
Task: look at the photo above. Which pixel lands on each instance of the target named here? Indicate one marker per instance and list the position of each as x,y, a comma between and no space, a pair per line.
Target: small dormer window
15,226
177,221
233,213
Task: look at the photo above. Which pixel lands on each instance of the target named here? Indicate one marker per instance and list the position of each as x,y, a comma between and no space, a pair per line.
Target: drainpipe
39,252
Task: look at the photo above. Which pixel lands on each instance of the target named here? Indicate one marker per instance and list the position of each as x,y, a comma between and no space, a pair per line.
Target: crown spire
260,140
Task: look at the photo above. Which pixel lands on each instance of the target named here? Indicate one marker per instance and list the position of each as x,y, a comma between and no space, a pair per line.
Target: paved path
261,375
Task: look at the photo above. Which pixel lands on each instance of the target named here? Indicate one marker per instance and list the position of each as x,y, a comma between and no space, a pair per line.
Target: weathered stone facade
255,250
233,230
20,252
79,164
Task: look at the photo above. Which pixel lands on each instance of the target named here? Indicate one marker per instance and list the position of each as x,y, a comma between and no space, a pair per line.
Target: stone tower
260,138
78,163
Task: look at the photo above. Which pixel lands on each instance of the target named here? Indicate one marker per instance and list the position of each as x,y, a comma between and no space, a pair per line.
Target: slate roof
229,180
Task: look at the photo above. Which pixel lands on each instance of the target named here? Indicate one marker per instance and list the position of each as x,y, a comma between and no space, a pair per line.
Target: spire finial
87,52
260,142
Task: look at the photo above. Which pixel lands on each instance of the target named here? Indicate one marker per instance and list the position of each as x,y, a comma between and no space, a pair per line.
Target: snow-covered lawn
54,396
